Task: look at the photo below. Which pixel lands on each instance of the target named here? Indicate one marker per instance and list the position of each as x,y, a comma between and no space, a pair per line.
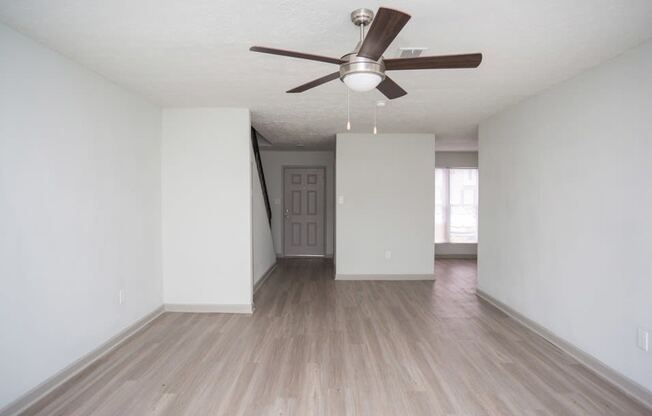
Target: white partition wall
385,206
79,213
566,211
207,209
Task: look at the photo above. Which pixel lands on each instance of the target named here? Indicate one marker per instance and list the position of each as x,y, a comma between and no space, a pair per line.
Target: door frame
325,190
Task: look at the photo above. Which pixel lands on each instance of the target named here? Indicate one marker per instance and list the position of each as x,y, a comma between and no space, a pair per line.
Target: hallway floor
319,346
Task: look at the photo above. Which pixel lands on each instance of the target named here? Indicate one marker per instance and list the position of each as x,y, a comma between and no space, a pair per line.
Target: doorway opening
304,211
456,223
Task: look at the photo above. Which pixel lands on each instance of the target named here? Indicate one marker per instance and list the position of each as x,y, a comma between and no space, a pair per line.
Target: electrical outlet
388,254
643,339
121,296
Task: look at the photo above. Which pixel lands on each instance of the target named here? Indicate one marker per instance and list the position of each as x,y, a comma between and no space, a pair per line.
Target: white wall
456,160
565,210
387,185
207,214
79,212
273,162
264,255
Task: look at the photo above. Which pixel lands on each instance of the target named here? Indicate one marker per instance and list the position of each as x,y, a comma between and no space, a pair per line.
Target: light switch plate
340,199
388,254
643,339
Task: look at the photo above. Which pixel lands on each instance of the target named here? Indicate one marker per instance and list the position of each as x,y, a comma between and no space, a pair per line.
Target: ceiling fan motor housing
354,64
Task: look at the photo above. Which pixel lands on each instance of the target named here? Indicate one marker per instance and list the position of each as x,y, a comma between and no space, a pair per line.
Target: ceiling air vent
410,52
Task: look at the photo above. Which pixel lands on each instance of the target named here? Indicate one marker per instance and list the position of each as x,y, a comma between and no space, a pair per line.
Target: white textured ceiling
195,53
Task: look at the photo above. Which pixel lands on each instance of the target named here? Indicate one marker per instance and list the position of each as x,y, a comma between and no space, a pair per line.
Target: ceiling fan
364,68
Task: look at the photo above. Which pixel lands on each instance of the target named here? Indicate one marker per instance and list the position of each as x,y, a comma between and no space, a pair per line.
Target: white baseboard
456,256
384,277
316,256
209,308
42,390
262,280
620,381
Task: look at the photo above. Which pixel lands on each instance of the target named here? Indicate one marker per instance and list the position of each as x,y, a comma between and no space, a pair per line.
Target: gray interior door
303,210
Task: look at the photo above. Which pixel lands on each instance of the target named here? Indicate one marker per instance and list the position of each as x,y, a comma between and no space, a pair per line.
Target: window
456,205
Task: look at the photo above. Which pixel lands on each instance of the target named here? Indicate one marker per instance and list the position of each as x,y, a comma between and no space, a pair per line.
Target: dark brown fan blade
383,30
471,60
315,83
391,89
294,54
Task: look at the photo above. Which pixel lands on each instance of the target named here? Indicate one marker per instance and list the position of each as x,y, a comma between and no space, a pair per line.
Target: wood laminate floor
319,347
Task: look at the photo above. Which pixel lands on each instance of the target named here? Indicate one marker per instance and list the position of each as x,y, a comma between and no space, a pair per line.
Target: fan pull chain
375,119
348,110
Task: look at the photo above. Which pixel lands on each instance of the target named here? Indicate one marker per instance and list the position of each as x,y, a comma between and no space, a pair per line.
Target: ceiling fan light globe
362,82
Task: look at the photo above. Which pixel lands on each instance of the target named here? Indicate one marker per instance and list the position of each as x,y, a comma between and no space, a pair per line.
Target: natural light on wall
456,205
